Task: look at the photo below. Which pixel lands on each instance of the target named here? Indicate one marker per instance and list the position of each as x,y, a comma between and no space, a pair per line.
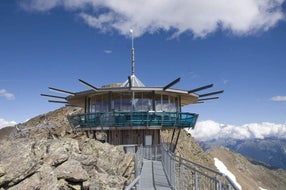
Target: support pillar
177,140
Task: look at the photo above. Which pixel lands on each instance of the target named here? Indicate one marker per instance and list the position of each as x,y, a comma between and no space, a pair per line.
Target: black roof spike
171,83
61,91
60,102
129,81
52,96
88,85
204,99
200,88
212,93
199,102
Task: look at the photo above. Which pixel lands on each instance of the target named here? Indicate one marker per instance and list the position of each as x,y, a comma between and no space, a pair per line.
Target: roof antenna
133,54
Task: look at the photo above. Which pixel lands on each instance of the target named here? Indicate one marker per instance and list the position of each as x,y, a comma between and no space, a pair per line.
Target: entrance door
148,140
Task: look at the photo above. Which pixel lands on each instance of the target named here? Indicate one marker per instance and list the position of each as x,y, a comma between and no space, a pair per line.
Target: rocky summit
66,163
43,153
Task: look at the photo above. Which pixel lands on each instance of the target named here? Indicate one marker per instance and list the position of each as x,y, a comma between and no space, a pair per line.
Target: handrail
210,170
231,182
133,119
133,183
196,164
180,173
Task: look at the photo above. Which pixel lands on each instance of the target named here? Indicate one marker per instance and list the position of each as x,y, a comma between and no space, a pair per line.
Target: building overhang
78,98
133,84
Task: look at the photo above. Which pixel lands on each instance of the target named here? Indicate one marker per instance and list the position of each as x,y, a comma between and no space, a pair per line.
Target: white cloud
4,123
278,98
201,17
107,51
7,95
208,130
225,81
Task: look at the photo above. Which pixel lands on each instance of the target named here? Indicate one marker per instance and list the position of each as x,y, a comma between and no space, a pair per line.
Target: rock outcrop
81,163
49,125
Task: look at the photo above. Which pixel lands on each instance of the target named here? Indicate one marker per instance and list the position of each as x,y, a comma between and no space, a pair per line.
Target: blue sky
54,43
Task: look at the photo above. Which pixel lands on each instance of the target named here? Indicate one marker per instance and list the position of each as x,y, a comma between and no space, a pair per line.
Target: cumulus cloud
7,95
200,17
278,98
4,123
208,130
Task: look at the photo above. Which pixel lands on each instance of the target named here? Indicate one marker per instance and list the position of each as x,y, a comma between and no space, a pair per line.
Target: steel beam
171,83
204,99
52,96
61,91
88,85
200,88
212,93
177,141
60,102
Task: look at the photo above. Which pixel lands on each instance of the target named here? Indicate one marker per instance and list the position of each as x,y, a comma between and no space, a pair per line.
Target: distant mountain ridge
270,150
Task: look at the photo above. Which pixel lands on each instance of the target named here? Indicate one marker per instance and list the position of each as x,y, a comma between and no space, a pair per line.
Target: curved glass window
133,101
142,101
126,102
116,102
166,103
158,102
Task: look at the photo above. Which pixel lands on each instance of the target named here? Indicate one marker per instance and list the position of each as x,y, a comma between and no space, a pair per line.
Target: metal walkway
156,168
153,176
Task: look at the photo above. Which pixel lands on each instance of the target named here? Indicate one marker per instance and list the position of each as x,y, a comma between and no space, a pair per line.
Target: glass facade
133,101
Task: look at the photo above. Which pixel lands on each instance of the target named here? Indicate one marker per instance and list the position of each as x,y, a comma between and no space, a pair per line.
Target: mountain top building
130,112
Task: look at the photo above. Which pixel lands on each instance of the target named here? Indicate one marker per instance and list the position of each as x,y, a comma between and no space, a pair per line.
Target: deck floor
153,176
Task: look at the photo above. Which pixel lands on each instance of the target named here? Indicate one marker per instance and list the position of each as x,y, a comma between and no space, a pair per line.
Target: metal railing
133,119
181,173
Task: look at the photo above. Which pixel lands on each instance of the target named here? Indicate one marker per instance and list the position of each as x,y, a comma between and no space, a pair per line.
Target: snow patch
262,188
223,169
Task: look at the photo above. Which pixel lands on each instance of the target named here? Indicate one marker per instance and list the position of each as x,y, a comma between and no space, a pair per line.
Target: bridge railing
186,174
182,173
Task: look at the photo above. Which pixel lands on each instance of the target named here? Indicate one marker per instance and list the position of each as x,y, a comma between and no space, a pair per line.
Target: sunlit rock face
82,163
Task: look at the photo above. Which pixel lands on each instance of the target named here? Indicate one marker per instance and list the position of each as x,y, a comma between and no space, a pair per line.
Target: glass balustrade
134,119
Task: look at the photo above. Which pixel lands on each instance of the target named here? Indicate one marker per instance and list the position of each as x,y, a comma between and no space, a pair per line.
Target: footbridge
157,168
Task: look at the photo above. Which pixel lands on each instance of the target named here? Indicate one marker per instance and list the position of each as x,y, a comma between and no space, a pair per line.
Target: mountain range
269,151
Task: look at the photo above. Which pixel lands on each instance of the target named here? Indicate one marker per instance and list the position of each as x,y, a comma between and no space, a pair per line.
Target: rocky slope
43,153
272,151
188,148
54,123
81,163
248,175
5,132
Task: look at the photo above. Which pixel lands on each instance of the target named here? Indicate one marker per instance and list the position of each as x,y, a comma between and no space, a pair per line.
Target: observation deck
132,120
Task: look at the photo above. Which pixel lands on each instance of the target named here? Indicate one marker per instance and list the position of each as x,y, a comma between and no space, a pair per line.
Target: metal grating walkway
153,176
156,168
